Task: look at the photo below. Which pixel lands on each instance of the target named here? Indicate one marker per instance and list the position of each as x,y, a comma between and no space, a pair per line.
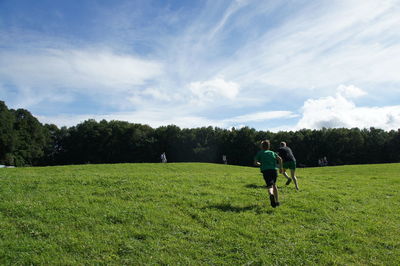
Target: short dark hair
265,144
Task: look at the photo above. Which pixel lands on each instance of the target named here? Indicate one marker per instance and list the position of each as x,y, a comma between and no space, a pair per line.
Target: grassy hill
192,213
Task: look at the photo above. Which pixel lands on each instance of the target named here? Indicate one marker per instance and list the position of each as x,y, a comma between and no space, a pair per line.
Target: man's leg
270,178
275,190
285,174
292,173
272,196
287,177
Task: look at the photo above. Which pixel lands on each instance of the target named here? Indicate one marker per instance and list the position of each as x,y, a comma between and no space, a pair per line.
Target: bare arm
280,163
256,163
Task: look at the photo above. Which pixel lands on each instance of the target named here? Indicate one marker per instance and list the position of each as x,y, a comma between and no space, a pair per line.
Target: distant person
266,160
163,157
224,159
325,161
289,162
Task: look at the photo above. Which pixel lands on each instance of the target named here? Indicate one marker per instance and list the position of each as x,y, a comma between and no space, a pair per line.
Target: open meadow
198,213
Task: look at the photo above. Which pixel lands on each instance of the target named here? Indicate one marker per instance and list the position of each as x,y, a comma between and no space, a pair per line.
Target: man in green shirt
266,160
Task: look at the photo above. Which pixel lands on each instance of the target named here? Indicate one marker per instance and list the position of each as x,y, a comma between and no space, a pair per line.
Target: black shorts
270,176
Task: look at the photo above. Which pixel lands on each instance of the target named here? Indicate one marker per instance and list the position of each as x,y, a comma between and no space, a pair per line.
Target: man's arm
280,164
256,160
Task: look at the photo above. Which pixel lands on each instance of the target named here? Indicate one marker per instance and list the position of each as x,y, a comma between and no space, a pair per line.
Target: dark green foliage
22,137
31,139
24,141
7,138
116,141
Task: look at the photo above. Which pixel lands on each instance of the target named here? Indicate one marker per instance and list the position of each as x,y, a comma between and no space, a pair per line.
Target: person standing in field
289,162
224,159
163,157
266,160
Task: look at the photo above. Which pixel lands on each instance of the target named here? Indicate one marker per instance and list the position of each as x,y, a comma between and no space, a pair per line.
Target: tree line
25,141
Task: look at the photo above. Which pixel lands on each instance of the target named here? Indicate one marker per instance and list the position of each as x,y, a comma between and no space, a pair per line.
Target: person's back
267,159
289,162
286,154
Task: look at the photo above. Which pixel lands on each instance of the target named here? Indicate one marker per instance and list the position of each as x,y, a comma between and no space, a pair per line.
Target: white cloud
214,89
261,116
38,73
340,43
232,9
158,116
340,111
77,68
154,118
157,95
112,70
350,91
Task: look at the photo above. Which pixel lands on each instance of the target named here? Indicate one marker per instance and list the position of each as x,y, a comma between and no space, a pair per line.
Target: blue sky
271,65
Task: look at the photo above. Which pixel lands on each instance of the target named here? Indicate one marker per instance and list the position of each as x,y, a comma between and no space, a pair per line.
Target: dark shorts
289,165
270,176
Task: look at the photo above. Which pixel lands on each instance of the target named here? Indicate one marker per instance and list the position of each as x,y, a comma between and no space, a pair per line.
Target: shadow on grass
229,208
255,186
226,207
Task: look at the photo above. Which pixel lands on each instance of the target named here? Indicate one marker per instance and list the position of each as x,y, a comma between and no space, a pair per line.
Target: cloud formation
77,68
44,74
340,111
343,42
220,63
215,88
161,117
330,112
350,91
261,116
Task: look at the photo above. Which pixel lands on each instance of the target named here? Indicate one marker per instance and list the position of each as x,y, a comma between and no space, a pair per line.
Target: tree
25,141
7,137
30,138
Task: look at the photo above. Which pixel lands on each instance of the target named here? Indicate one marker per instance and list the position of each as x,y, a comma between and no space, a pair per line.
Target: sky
269,65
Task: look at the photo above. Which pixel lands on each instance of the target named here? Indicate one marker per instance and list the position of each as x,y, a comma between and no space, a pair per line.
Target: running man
266,160
289,162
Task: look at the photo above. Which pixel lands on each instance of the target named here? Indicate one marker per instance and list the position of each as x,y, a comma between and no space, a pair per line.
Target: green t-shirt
267,158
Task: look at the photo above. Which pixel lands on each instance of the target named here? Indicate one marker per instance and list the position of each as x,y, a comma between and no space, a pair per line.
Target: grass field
192,213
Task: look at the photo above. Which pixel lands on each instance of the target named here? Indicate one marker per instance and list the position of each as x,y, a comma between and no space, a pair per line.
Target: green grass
192,213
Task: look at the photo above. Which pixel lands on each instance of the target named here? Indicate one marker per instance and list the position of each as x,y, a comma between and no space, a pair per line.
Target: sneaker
277,203
272,199
288,182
